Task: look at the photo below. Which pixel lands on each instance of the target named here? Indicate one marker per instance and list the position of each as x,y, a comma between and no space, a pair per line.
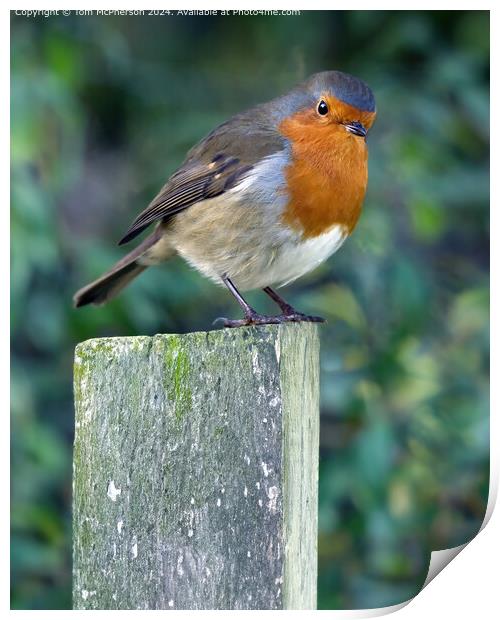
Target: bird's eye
322,108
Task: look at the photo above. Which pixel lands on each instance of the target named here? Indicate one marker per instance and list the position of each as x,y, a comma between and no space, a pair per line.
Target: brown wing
213,166
192,183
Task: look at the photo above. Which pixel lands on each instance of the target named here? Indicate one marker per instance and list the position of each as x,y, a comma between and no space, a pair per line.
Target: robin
263,199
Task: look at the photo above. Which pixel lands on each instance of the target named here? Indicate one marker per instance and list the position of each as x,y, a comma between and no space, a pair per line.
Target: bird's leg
251,316
286,308
289,312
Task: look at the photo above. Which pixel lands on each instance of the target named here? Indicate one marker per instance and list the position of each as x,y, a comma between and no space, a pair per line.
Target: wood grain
195,470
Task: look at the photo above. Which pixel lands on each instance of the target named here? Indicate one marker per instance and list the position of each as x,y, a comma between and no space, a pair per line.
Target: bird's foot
250,319
255,318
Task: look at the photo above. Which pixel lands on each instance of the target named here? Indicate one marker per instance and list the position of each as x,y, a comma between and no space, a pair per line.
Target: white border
469,584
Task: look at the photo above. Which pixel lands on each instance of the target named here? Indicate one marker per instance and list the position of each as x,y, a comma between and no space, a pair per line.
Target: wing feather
197,181
214,165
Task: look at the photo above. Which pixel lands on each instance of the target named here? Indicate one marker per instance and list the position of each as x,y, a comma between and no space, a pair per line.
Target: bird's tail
124,271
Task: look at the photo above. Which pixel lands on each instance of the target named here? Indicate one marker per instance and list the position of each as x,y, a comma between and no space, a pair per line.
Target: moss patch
177,377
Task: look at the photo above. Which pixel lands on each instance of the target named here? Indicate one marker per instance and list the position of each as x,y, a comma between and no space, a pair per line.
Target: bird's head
329,104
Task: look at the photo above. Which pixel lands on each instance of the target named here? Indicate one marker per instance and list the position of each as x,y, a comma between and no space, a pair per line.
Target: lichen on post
195,470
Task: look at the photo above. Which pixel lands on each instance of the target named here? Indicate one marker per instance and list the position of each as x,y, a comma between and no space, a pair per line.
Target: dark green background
104,109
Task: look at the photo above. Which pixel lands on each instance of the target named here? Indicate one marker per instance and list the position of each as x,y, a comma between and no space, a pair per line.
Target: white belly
298,257
261,263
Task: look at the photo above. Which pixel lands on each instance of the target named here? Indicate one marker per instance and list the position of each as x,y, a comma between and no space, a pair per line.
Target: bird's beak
356,128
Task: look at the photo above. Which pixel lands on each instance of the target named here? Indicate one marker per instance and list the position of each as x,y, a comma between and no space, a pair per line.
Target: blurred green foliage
104,109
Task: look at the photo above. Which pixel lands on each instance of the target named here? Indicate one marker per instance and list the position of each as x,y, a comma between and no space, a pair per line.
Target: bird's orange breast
327,176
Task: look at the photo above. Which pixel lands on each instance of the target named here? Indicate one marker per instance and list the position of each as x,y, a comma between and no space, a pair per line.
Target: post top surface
254,334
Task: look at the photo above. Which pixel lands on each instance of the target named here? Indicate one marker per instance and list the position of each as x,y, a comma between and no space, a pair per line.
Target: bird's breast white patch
301,256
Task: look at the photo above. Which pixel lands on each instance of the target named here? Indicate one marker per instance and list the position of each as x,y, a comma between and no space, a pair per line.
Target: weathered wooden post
195,470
